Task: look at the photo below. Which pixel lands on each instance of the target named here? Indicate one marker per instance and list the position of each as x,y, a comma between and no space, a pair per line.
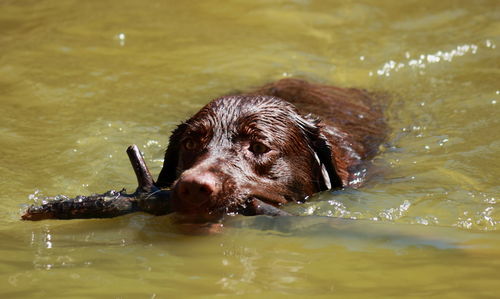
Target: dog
277,144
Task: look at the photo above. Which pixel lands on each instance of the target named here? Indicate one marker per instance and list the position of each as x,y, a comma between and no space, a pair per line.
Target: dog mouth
217,210
210,208
230,200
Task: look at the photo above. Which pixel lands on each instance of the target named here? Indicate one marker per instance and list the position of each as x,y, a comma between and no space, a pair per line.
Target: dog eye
258,148
190,144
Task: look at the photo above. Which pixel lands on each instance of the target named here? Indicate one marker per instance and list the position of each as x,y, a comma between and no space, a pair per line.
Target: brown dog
270,146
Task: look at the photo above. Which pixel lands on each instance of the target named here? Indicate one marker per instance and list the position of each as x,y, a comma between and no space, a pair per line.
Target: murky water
81,80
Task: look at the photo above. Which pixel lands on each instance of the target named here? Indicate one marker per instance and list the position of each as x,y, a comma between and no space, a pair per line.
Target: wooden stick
106,205
256,206
147,198
144,178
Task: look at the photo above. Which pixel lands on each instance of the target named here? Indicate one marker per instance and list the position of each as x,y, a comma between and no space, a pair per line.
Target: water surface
81,80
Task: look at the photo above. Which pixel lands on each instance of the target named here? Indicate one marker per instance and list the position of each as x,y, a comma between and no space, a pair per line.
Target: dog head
247,146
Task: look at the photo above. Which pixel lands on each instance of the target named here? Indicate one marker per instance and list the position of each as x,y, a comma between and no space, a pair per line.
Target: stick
144,178
106,205
147,198
256,206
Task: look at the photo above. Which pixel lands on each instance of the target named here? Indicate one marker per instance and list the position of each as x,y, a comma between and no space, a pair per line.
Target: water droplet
121,38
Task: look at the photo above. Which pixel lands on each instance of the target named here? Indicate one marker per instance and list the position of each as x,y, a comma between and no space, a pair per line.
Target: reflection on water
80,81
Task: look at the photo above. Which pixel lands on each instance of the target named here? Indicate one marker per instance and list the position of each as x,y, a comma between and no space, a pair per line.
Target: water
80,81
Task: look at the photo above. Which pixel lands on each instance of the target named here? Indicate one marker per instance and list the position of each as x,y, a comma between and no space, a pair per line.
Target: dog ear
319,143
168,173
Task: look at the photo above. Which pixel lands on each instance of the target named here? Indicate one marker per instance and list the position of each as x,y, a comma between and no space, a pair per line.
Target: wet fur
320,137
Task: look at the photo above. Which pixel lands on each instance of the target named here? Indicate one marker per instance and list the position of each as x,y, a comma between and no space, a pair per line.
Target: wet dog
280,143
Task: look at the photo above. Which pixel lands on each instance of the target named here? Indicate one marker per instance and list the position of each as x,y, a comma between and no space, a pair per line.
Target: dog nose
197,188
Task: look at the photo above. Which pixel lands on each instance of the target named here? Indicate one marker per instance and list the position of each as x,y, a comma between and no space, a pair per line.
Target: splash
424,60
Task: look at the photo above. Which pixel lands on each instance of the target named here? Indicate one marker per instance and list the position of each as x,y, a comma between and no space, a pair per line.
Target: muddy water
81,80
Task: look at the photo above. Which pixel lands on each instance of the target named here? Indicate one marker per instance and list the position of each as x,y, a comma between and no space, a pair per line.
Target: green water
81,80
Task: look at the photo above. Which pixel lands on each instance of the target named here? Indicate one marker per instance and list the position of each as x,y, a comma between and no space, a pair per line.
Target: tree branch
147,198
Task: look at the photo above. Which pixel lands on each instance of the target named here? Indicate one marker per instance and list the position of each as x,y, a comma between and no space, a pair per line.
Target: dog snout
197,187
